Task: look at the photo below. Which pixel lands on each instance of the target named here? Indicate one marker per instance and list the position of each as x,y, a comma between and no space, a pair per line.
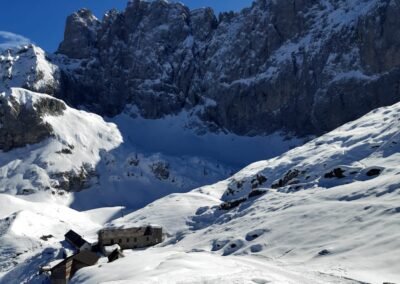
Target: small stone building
62,272
116,254
131,238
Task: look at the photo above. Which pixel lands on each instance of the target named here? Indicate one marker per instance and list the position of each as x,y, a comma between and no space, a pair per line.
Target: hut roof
61,263
87,257
75,239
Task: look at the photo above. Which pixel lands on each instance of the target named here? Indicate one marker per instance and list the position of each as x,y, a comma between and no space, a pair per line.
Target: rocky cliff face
21,122
21,116
304,66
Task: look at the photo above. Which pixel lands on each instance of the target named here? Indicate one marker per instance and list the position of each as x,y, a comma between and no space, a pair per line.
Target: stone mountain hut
131,238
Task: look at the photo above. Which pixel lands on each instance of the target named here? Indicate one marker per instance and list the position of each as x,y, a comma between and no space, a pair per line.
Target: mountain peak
80,34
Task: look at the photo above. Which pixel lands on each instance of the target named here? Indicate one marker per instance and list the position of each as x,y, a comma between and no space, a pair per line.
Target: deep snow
344,227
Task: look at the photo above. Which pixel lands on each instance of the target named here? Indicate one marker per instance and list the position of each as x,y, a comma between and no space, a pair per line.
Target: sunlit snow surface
125,175
313,229
330,230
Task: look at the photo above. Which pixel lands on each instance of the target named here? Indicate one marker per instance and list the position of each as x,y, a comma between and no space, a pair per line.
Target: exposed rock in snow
66,143
22,117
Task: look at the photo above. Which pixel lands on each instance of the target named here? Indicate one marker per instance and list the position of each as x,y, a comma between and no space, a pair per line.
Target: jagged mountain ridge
299,65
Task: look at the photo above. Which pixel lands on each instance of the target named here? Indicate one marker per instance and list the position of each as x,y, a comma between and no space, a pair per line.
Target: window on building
120,241
127,240
135,240
112,241
147,239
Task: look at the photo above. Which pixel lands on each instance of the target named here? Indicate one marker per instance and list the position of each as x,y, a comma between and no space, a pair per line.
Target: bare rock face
379,38
75,181
304,66
21,122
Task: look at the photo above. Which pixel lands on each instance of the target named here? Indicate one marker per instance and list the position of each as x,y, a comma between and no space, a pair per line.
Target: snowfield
304,216
169,266
164,156
325,212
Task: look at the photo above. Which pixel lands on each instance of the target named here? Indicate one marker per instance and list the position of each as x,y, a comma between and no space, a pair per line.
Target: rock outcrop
80,34
21,118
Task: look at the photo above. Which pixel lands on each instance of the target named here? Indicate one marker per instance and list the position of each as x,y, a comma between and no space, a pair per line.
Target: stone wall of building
131,238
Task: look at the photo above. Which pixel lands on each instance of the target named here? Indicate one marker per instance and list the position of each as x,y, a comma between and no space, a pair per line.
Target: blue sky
42,21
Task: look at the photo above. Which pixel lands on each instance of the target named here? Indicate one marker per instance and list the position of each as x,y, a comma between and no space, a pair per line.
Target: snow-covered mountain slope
166,266
61,158
28,67
130,162
329,208
325,212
